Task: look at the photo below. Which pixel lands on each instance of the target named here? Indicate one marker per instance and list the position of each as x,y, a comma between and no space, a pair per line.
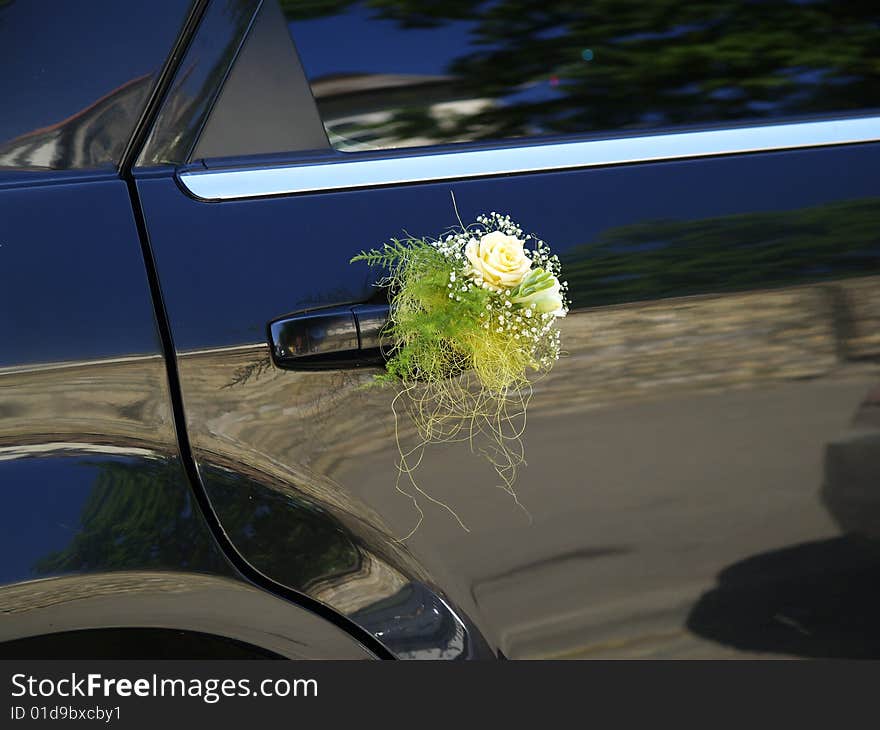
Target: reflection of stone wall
861,313
123,402
295,425
299,425
185,601
36,594
349,593
651,349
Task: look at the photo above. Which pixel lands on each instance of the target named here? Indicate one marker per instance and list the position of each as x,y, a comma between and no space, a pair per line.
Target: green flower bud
539,290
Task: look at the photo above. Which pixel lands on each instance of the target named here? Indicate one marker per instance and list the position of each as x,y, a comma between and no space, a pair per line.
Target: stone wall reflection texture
293,424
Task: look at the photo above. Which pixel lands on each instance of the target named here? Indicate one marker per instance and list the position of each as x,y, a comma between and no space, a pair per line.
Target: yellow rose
498,260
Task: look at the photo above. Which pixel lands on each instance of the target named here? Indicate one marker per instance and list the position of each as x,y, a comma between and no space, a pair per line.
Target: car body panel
76,80
722,335
100,527
701,461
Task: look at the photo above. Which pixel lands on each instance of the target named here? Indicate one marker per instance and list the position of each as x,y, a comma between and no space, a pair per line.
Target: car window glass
393,73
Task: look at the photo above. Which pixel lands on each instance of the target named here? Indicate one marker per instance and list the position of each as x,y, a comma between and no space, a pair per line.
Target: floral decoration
473,323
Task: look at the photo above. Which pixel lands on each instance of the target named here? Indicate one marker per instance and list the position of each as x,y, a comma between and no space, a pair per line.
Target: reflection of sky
676,32
357,41
534,94
72,282
57,62
42,504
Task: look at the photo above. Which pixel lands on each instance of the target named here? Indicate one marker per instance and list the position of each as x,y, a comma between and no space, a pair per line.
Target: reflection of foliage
251,371
139,514
303,9
657,63
293,540
675,258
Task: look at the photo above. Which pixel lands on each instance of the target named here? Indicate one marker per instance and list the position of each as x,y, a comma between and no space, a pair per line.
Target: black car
177,176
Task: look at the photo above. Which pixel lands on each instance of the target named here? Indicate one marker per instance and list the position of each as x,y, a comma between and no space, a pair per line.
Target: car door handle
331,338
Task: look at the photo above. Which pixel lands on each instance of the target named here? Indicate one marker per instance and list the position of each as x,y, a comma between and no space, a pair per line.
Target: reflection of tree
139,514
291,539
252,371
658,63
675,258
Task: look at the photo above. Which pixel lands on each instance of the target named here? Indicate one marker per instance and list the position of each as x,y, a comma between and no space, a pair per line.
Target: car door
695,486
104,552
85,412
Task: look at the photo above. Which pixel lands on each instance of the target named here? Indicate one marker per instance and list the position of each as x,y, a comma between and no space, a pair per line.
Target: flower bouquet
472,324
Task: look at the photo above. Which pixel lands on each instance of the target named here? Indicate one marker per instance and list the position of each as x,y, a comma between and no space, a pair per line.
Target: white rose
498,260
540,290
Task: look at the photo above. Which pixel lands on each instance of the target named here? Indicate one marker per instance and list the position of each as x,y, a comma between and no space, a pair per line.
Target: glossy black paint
852,472
646,233
161,644
77,79
72,246
101,513
819,598
215,614
102,531
123,554
319,233
100,525
693,458
417,624
315,548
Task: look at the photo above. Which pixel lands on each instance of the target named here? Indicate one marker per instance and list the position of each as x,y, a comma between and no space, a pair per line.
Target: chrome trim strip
414,168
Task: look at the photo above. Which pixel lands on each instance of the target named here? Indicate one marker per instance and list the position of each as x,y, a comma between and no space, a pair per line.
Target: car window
76,77
265,105
392,73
